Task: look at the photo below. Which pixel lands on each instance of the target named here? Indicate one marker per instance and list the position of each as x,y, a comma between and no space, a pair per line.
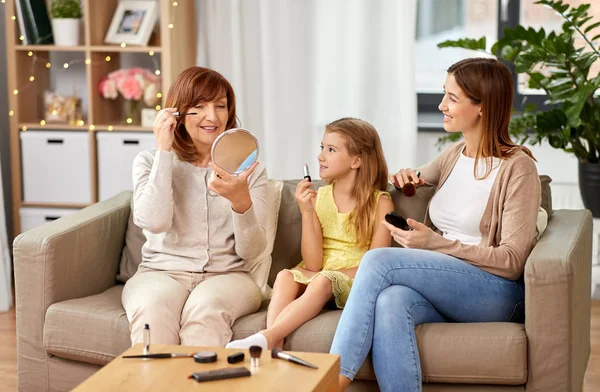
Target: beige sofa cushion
92,329
473,353
95,330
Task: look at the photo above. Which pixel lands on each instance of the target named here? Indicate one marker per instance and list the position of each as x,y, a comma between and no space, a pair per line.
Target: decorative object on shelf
132,23
136,86
148,116
62,109
34,24
66,19
558,63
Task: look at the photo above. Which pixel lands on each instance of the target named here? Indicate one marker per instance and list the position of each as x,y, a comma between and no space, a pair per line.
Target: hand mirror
235,150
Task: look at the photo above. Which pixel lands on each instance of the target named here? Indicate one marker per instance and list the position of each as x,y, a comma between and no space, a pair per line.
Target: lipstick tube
306,174
146,339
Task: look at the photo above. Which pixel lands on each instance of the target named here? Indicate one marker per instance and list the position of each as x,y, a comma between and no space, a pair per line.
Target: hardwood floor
8,352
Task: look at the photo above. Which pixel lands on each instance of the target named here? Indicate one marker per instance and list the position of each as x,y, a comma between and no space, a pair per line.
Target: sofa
70,321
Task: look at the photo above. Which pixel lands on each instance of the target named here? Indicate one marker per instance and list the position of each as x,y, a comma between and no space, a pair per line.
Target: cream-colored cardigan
509,223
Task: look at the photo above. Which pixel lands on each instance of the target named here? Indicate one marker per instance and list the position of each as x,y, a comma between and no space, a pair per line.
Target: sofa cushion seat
473,353
93,329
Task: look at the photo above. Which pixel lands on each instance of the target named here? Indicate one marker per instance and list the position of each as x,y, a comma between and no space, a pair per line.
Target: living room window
440,20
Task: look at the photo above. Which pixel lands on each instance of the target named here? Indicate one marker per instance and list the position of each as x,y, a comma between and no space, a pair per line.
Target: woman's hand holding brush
407,180
164,127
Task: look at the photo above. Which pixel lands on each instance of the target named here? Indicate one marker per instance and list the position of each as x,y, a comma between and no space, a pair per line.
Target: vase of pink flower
138,87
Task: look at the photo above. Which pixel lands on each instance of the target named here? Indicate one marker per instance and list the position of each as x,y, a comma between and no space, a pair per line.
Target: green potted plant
555,64
66,15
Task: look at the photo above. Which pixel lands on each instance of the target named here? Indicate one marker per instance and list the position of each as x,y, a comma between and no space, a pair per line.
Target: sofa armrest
72,257
558,303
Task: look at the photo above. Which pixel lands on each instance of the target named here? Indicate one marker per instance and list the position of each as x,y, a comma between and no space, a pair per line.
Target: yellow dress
340,249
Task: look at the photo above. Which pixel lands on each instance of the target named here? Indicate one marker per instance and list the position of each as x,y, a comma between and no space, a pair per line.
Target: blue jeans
396,289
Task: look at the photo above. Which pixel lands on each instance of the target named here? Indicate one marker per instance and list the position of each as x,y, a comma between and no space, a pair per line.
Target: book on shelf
37,29
21,23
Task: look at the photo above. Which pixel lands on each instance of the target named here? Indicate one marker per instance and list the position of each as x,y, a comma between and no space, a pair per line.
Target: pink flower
130,89
133,84
108,89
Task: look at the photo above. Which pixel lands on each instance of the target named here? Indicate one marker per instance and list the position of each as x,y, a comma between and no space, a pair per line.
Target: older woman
202,224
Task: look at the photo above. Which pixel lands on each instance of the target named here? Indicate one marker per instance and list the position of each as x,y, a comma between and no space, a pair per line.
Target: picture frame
132,22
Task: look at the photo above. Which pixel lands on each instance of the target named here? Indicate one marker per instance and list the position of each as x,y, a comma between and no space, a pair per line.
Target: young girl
340,223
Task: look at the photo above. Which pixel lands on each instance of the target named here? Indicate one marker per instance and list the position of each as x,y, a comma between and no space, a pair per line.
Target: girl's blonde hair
362,139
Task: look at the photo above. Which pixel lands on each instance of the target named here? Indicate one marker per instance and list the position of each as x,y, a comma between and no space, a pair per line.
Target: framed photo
132,22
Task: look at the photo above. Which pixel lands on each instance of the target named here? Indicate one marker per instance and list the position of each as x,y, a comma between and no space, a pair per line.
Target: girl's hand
415,238
404,176
164,127
305,196
234,189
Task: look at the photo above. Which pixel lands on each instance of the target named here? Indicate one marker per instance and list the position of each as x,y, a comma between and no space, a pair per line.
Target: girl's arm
312,241
153,191
381,235
312,235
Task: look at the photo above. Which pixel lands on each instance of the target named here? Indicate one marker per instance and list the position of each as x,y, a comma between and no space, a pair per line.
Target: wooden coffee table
172,374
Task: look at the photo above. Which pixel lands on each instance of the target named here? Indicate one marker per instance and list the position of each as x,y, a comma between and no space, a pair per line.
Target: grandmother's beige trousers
188,308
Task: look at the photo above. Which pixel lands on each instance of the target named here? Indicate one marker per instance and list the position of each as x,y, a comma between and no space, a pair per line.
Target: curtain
297,65
5,262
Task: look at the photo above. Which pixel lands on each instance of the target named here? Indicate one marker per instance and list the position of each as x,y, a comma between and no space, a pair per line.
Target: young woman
465,263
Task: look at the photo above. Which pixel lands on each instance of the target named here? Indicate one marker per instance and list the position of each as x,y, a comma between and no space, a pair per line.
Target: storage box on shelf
32,217
56,167
172,47
116,152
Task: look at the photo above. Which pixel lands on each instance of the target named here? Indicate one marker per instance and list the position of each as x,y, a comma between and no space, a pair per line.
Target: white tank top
457,207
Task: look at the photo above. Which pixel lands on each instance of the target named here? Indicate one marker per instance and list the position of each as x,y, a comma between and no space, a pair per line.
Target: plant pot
589,186
65,32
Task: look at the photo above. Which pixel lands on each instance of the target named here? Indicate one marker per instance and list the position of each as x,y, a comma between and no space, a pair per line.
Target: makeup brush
181,114
161,355
409,189
255,352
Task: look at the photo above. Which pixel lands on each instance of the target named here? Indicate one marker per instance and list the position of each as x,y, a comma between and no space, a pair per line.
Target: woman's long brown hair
489,83
362,139
192,86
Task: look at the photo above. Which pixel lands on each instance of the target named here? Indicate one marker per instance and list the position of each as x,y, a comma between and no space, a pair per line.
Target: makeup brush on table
161,355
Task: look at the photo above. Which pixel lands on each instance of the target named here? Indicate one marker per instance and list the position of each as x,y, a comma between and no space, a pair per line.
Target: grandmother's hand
164,128
233,188
415,238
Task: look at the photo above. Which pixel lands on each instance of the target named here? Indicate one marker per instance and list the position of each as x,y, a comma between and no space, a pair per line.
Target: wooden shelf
127,49
175,50
51,205
84,127
89,48
52,127
122,128
50,48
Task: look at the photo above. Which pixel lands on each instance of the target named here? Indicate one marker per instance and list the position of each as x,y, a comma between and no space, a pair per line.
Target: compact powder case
205,357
